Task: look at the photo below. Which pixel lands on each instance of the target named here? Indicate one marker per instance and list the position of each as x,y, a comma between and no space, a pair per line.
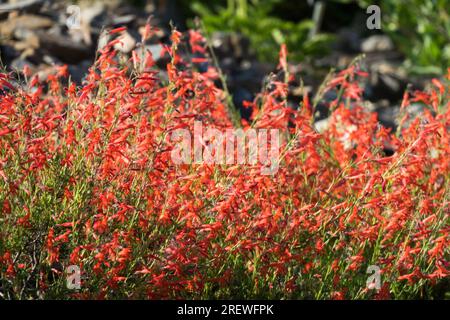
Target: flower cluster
87,179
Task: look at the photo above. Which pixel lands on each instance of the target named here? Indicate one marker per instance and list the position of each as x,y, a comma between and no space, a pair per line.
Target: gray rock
228,44
322,125
385,86
27,21
89,13
103,39
8,53
63,48
79,71
18,64
156,50
377,43
31,6
50,60
348,40
123,20
23,33
389,116
126,44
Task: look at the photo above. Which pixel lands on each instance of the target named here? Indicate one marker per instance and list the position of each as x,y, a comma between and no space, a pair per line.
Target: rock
348,40
27,21
103,39
247,74
63,48
28,40
8,53
26,47
156,50
19,63
377,43
389,116
79,71
157,34
31,6
386,81
91,12
50,60
126,44
44,72
393,83
322,125
123,20
239,96
330,95
22,33
232,45
227,63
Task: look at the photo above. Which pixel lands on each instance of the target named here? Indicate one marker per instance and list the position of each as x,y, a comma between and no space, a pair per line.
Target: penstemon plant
88,185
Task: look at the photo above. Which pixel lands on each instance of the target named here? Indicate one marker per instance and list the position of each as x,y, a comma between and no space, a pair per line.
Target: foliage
420,29
254,19
86,178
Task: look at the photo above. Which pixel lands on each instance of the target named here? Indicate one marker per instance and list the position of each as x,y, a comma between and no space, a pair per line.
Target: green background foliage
420,29
257,20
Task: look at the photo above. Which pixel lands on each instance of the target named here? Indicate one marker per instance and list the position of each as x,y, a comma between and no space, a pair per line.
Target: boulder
377,43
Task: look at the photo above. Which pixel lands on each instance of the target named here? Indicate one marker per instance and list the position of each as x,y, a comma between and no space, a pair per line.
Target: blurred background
411,45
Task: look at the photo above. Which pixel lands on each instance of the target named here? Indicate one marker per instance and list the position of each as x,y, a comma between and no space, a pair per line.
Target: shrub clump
86,179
